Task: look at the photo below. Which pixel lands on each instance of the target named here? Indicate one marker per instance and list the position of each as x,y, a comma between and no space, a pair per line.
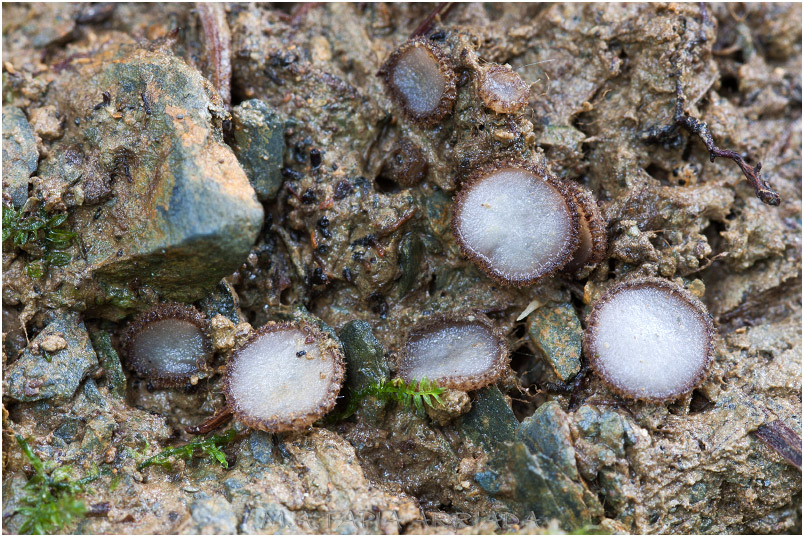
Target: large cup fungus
463,352
516,222
284,377
649,339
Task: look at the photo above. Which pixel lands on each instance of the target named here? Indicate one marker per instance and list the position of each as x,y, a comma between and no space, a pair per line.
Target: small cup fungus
421,81
502,89
516,222
462,352
168,344
649,339
406,164
592,238
284,377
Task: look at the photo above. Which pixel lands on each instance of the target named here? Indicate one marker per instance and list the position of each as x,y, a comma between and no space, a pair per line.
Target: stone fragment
181,213
262,446
223,300
110,361
46,122
20,155
491,422
454,403
365,355
557,332
259,145
56,376
547,481
210,515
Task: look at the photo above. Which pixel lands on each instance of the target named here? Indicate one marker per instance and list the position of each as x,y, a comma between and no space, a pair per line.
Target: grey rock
181,213
259,145
491,422
543,468
68,431
365,355
20,155
37,376
211,515
231,486
547,432
411,256
557,332
262,446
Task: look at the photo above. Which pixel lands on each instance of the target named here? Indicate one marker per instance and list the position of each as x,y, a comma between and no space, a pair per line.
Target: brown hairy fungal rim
465,383
446,70
565,255
329,349
160,312
592,219
590,343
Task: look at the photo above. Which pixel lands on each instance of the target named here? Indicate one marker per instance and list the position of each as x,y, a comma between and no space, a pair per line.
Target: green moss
49,503
410,395
208,446
43,237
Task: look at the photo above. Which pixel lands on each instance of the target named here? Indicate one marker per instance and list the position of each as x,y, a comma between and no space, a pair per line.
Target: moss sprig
44,237
410,395
207,446
49,503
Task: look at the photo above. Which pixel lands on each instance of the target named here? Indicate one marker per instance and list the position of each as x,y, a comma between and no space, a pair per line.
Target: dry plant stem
681,119
781,439
210,424
218,42
440,10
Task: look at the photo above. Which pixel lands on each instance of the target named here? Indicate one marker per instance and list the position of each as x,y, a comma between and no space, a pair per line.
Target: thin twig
218,41
440,10
695,126
781,439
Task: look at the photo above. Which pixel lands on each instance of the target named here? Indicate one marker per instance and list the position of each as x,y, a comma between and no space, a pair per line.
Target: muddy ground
237,157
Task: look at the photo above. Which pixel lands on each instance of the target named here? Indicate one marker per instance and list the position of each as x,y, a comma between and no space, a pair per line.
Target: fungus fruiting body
516,222
465,353
421,81
406,164
649,339
592,238
168,344
284,377
502,89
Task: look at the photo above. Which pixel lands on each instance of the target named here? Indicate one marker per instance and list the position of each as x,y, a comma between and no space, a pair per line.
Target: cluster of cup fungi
648,339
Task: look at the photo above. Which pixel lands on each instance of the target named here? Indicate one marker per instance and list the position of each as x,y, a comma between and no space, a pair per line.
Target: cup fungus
405,164
421,81
461,352
168,344
516,222
649,339
592,238
502,89
284,377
